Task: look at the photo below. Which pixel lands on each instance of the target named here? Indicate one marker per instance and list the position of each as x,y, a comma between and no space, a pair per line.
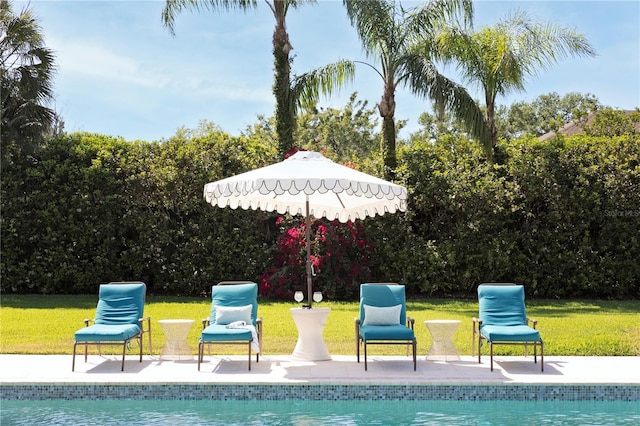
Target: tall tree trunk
387,109
285,109
493,130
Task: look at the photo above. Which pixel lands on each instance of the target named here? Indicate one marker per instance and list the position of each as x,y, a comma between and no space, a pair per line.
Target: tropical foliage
499,59
340,259
290,92
560,216
403,45
26,77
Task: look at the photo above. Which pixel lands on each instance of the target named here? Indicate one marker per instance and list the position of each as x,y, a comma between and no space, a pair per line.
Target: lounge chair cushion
220,333
512,333
227,314
238,296
107,333
382,315
386,332
502,305
120,304
382,296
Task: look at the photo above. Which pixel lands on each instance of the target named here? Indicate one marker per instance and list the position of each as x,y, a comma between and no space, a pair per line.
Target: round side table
442,332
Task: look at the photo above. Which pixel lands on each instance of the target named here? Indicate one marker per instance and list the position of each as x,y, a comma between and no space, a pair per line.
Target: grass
37,324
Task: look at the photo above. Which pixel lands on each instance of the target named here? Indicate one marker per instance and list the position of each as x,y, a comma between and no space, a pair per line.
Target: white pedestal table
310,324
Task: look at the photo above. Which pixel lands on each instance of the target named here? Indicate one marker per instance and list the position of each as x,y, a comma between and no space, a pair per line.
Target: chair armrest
475,327
141,322
88,321
410,322
534,322
205,322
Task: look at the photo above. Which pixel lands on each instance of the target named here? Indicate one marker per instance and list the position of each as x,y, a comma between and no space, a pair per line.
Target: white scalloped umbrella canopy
308,184
334,191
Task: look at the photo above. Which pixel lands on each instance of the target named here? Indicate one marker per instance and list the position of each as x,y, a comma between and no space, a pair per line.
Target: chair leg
541,356
124,351
249,355
473,340
73,363
491,354
358,349
200,354
260,347
414,355
365,355
140,347
479,346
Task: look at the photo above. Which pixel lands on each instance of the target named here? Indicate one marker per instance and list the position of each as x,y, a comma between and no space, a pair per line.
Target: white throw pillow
227,314
374,315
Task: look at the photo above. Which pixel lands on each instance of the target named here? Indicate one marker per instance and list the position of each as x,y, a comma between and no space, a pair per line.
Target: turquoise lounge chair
503,320
234,303
118,319
383,315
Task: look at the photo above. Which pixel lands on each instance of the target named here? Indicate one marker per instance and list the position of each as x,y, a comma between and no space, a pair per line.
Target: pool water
334,413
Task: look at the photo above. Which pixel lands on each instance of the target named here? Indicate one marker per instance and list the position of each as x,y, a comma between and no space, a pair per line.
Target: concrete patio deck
341,369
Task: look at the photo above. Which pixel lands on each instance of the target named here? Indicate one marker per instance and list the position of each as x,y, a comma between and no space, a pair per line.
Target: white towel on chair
255,345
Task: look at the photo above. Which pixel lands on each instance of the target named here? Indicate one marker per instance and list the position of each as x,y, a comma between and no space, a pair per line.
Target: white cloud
94,61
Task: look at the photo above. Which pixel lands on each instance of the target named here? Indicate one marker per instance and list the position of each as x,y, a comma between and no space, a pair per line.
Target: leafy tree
289,92
548,113
347,135
402,41
610,122
437,124
26,75
499,59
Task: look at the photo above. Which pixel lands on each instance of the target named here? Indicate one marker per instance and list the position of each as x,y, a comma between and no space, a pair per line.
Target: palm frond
426,81
172,8
307,88
373,21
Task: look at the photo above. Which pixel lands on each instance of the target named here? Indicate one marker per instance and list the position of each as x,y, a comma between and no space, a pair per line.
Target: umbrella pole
307,232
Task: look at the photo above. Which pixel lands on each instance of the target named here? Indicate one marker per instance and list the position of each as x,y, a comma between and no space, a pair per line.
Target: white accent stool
176,332
442,332
310,324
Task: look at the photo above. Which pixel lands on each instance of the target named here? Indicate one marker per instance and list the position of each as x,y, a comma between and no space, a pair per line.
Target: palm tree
499,59
26,75
402,41
304,89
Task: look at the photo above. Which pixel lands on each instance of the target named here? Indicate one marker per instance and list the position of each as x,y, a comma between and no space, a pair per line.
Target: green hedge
562,217
95,209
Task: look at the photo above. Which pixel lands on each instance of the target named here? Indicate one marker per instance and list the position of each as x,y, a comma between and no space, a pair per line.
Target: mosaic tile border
297,392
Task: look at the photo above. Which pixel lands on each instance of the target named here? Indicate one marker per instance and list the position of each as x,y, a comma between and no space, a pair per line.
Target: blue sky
121,73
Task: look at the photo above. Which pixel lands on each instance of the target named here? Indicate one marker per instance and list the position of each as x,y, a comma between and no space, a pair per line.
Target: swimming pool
229,413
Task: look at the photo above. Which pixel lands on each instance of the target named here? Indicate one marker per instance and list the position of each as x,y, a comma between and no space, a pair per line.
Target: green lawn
37,324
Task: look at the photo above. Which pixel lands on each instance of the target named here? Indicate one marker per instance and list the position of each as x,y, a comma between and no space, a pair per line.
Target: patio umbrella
309,184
